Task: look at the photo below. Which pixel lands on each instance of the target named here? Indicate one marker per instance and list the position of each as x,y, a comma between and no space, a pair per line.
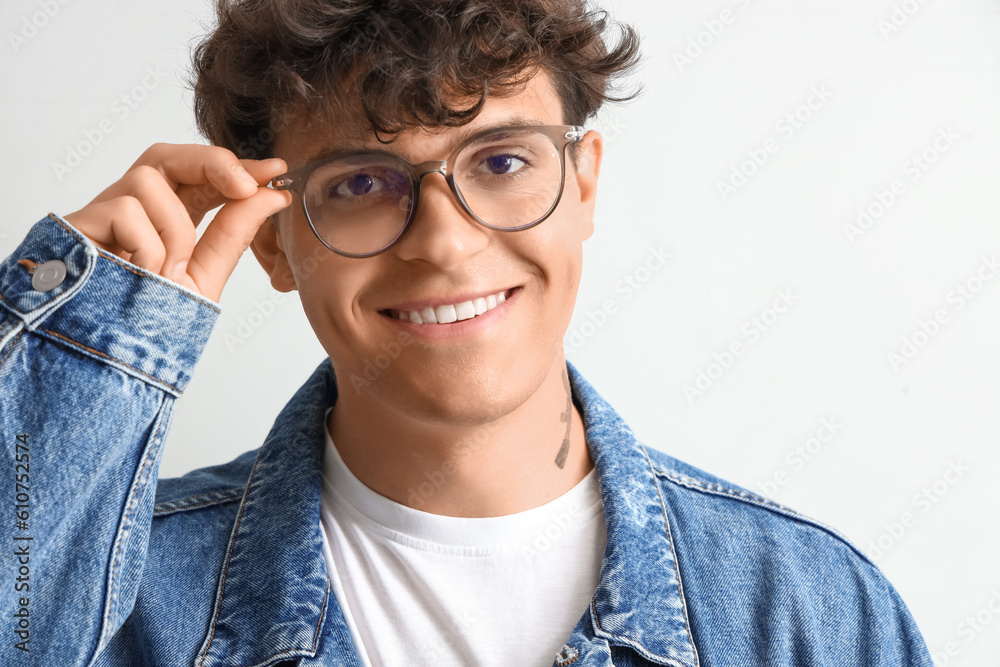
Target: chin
453,395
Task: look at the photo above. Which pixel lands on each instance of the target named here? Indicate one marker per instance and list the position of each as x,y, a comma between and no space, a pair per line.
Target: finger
168,215
189,164
202,198
197,164
228,235
265,170
122,227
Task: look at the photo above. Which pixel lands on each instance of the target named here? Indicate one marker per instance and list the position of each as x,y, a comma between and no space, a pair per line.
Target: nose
441,232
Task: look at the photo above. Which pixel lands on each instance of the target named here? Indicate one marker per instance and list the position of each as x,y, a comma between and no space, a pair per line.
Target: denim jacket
224,566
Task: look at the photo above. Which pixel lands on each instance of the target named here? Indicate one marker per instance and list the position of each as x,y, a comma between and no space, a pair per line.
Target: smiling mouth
454,312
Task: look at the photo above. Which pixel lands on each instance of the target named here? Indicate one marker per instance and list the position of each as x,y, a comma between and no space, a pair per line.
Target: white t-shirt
424,589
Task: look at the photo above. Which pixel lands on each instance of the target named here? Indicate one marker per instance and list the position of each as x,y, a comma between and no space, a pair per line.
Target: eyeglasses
360,203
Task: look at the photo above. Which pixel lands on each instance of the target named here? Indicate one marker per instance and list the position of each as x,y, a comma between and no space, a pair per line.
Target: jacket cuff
62,286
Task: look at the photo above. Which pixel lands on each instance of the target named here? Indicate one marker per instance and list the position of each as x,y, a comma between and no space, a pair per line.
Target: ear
269,250
588,168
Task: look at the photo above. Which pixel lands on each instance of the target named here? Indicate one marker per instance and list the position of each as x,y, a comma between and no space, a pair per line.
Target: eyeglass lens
359,204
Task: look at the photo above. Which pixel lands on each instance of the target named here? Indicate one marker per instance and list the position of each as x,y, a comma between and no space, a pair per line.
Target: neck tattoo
565,417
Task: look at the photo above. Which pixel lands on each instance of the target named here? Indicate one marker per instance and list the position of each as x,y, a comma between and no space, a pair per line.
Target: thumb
227,237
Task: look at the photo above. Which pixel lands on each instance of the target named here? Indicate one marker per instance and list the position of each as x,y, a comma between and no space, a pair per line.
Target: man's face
469,371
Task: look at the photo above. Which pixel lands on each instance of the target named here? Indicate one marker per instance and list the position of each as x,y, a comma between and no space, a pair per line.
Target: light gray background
889,94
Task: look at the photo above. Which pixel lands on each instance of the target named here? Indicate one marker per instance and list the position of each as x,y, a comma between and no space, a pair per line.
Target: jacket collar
274,599
273,595
639,602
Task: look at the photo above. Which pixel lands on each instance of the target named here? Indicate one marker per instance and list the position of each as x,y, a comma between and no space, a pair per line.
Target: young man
432,188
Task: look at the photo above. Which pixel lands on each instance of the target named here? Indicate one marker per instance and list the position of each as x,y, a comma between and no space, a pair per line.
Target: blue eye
504,164
357,185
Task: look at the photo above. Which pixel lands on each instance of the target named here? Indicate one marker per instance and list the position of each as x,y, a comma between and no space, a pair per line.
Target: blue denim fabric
224,566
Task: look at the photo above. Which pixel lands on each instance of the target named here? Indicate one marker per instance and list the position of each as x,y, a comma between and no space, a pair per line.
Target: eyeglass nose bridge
430,167
435,167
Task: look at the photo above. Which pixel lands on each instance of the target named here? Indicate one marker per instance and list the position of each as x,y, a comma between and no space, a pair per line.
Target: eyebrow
466,132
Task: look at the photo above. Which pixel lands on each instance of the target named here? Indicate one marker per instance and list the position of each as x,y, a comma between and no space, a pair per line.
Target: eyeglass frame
560,135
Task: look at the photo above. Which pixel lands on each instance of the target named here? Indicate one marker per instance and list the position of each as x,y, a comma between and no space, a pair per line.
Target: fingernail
248,178
275,164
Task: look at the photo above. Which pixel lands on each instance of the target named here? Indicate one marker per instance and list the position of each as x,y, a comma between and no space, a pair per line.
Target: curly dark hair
393,64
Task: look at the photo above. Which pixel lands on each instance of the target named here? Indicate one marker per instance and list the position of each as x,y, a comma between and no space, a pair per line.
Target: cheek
561,244
556,251
565,273
328,285
307,265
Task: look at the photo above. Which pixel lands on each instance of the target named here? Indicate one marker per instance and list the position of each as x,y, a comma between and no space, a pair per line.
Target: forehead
319,133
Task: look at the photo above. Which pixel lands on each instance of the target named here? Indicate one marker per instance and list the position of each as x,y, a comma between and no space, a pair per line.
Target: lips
446,313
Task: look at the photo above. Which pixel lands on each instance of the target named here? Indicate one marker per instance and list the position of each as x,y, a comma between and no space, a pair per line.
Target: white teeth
453,312
446,314
465,310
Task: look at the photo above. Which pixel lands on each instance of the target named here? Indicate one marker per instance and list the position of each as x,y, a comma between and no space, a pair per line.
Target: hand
149,216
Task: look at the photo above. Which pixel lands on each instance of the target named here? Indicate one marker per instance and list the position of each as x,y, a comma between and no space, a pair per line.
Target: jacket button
48,275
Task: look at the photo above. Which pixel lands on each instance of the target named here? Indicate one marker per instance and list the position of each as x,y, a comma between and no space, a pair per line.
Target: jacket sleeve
94,351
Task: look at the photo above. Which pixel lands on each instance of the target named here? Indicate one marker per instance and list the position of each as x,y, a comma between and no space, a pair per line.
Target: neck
526,458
